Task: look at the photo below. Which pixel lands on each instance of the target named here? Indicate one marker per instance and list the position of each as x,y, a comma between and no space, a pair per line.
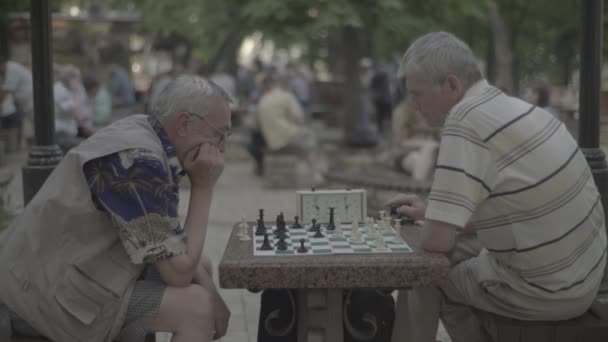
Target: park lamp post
589,100
44,155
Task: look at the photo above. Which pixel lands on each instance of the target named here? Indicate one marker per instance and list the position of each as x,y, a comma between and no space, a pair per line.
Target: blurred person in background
16,80
415,142
539,94
121,89
100,101
71,78
282,123
66,123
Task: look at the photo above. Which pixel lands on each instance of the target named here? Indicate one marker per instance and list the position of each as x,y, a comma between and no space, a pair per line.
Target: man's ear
454,87
181,123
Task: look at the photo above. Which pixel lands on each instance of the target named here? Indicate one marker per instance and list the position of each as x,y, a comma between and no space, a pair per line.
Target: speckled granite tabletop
240,269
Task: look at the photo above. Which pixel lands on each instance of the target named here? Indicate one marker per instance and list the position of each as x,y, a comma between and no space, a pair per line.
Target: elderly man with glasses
100,254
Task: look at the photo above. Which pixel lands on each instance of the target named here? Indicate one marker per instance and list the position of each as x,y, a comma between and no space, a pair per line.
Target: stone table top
239,268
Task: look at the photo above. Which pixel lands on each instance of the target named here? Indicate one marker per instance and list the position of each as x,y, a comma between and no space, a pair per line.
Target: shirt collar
477,88
176,167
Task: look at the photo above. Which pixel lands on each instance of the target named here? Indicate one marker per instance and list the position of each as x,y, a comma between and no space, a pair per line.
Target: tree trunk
313,54
335,59
352,82
565,57
502,51
4,41
227,54
490,59
355,121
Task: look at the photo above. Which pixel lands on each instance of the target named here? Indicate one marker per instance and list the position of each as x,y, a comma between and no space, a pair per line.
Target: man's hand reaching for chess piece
436,236
408,205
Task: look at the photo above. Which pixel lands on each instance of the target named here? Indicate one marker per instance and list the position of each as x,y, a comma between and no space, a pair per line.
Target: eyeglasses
222,134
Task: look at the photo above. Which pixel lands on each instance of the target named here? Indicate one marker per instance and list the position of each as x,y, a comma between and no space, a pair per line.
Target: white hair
438,54
186,93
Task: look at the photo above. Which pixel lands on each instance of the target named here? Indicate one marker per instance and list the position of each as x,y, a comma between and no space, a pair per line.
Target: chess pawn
355,226
313,226
398,240
369,225
382,214
355,236
338,233
379,243
389,224
244,233
296,224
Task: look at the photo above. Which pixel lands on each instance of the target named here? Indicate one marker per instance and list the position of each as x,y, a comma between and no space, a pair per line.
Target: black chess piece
331,225
278,220
280,233
313,227
261,216
296,223
302,248
260,229
266,244
318,233
281,245
406,220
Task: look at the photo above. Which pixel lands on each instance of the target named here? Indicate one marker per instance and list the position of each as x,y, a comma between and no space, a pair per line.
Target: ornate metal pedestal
326,315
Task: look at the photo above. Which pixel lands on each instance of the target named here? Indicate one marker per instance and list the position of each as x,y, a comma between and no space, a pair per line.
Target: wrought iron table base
326,315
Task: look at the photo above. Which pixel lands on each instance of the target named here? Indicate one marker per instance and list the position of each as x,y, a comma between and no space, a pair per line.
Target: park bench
592,326
13,329
280,169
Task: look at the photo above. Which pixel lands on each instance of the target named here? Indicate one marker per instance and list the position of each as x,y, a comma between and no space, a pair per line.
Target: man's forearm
196,223
181,270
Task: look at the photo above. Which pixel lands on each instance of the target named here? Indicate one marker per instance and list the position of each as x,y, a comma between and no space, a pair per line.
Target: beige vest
63,266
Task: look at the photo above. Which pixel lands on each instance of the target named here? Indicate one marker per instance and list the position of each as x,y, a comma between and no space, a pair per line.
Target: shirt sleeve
134,189
11,79
295,110
464,176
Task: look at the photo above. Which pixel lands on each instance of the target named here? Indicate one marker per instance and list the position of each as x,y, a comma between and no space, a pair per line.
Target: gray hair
438,54
186,93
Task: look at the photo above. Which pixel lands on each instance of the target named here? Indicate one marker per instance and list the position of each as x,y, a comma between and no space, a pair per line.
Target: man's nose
222,146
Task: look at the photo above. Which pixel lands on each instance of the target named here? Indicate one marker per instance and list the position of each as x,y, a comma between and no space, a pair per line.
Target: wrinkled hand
204,165
410,205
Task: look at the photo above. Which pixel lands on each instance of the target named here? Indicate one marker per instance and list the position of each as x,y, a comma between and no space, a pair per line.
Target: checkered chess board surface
329,244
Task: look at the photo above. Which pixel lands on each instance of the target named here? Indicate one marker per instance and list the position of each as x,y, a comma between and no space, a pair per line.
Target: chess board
327,244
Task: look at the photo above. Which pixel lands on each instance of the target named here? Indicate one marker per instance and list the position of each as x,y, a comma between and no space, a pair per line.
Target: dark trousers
256,147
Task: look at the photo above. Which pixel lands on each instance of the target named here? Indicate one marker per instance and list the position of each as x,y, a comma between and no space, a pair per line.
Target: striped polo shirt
516,173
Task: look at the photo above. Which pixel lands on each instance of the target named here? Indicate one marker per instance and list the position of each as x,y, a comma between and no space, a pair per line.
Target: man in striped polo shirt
513,204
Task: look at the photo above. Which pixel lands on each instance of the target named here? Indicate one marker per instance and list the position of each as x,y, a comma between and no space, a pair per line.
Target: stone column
44,154
589,98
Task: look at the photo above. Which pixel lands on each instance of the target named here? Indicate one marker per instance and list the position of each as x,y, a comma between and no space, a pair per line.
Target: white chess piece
382,214
338,233
355,236
244,231
369,225
355,226
398,240
379,243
